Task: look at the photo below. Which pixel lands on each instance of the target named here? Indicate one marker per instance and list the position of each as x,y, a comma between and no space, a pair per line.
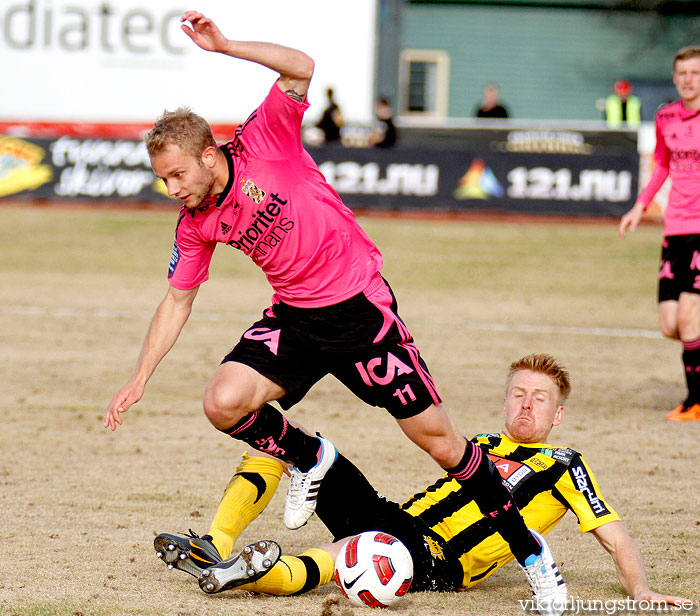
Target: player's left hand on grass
656,598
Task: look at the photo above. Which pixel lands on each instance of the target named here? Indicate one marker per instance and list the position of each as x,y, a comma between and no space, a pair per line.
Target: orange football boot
683,413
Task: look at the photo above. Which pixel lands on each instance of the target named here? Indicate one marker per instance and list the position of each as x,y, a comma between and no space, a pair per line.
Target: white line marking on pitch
559,329
496,327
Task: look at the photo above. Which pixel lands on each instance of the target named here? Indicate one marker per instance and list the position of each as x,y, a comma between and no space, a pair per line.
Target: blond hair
182,127
686,53
544,364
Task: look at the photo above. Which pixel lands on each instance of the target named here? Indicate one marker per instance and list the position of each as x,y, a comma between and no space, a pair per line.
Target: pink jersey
278,209
677,153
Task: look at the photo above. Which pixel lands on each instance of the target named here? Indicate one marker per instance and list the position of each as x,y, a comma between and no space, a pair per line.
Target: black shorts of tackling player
679,270
348,505
361,341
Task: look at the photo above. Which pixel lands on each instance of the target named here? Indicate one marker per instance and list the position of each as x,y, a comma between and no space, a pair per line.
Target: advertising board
587,174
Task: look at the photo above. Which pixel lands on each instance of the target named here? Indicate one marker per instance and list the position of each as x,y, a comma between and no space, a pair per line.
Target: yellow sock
295,574
247,494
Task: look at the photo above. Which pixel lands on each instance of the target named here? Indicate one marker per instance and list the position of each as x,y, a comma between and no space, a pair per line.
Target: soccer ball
374,569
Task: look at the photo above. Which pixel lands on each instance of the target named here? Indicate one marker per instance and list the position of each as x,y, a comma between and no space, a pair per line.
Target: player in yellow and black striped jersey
453,543
545,481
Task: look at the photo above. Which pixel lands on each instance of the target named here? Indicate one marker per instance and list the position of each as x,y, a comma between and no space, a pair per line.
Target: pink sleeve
273,131
189,263
660,172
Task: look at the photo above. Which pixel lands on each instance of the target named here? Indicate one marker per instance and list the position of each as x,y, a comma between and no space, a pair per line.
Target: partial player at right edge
677,154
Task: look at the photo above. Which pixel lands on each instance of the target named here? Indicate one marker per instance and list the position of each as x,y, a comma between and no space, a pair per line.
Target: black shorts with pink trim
679,269
361,341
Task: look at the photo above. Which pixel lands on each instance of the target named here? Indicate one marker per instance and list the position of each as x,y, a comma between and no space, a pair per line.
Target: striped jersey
545,482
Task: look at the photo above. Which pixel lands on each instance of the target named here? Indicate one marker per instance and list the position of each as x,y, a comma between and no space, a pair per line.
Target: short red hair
543,364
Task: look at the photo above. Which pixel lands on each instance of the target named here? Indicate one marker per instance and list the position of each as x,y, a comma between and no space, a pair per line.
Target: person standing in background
331,121
677,155
386,137
622,108
491,106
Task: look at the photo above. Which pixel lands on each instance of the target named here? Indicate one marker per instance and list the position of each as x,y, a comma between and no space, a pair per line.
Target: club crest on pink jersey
249,189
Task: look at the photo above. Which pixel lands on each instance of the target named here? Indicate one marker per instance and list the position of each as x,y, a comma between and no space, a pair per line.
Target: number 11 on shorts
399,393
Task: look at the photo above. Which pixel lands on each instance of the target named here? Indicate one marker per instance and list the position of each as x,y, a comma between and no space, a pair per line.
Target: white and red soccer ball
374,569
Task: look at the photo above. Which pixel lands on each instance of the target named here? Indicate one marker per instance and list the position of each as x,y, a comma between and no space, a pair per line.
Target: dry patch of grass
81,505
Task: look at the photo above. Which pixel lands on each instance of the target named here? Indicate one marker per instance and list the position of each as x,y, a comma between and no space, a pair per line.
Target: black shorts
348,504
362,342
679,270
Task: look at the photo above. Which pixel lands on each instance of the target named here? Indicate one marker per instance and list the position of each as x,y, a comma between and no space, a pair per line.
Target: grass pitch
81,505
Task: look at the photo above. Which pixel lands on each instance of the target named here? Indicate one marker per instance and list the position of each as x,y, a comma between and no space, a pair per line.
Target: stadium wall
551,62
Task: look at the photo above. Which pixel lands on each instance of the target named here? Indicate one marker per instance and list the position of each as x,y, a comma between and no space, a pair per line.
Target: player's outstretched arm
167,323
614,537
294,66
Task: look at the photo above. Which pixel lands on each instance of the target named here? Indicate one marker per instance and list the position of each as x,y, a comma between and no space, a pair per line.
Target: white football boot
548,588
303,487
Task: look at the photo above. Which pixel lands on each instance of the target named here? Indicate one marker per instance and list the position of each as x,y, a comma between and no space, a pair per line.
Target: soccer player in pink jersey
677,154
331,313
